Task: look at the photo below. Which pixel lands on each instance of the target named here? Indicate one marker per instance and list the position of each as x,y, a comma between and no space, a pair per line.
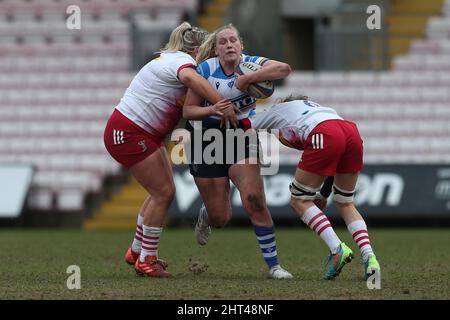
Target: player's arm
321,197
271,70
325,191
191,79
193,111
199,90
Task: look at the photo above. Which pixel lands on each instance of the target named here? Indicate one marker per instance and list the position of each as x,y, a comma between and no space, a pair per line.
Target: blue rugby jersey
212,71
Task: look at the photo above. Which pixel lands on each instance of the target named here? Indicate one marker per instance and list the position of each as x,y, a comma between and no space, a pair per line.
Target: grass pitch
415,265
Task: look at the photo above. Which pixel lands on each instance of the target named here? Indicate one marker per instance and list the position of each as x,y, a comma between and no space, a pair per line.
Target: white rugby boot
202,228
277,272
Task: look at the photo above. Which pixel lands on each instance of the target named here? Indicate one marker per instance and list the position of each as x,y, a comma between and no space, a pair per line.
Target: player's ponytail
207,48
292,97
185,38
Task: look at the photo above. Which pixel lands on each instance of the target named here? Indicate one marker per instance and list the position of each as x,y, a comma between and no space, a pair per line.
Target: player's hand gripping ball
258,90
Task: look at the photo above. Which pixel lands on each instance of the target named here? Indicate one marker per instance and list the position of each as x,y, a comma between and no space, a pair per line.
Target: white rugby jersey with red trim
295,120
155,97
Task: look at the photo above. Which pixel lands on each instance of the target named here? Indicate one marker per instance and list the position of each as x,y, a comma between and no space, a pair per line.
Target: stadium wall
383,192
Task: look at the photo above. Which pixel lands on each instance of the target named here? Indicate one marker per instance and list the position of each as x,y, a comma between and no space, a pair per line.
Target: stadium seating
58,87
403,114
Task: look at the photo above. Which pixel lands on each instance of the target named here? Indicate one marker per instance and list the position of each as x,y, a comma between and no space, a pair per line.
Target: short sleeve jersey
156,95
295,119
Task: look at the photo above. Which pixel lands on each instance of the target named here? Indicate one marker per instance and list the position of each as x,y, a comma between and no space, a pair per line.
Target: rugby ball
258,90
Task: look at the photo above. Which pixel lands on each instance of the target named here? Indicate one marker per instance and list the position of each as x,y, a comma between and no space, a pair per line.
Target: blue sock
267,243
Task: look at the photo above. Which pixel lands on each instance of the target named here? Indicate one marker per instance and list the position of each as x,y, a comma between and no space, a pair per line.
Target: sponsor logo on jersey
244,101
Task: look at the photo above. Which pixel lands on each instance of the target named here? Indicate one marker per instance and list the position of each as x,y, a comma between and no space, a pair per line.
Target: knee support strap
302,192
342,196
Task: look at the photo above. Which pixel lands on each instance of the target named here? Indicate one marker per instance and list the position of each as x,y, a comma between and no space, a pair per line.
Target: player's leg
323,148
248,180
211,178
154,173
303,189
303,192
350,164
144,156
344,188
134,250
216,208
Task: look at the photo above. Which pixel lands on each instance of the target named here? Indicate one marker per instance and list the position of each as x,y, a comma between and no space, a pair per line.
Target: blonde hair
185,38
208,48
292,97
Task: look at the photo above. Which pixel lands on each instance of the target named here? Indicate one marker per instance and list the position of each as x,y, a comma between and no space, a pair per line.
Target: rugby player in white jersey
331,147
149,110
223,52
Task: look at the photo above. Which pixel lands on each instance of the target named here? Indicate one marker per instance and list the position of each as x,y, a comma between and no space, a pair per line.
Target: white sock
358,230
150,241
319,223
137,241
